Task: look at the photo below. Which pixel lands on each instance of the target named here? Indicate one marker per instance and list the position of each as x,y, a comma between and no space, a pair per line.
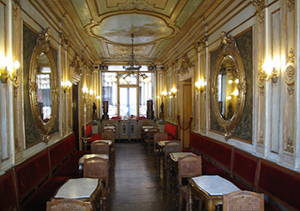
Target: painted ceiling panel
118,29
106,26
186,13
83,11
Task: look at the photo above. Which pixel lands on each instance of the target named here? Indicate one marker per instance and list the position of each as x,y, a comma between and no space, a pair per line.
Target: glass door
128,102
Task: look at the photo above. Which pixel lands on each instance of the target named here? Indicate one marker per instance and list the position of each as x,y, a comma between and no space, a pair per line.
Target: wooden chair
68,205
188,166
98,168
149,140
160,136
99,148
172,146
243,200
109,134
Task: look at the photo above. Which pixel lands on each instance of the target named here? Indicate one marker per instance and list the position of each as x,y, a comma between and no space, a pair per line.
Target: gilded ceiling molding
16,6
185,65
290,73
76,65
290,5
65,42
289,145
260,6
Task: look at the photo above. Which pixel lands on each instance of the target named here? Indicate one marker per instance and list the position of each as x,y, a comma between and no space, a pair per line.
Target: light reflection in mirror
228,80
43,78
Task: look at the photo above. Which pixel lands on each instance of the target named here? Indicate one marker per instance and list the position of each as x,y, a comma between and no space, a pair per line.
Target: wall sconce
5,73
66,86
164,94
173,91
200,86
270,71
85,91
91,92
98,97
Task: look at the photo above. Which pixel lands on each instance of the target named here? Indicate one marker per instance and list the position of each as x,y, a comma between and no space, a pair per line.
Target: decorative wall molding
290,73
76,65
289,145
185,65
290,5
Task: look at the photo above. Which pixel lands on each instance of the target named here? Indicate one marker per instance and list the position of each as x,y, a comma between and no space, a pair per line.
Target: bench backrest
172,131
87,130
61,150
31,173
7,193
244,168
280,183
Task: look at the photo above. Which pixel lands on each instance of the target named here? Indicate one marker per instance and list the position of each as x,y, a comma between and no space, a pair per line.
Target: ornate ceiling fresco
106,26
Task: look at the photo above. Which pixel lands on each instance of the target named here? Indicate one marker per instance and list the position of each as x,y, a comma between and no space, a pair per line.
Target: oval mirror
43,85
229,86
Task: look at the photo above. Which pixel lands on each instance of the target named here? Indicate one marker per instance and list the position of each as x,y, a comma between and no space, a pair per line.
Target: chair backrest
243,200
160,136
96,167
189,166
109,135
172,146
151,132
99,148
68,205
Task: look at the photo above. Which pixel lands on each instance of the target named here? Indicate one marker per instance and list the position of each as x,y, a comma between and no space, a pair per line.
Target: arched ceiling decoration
105,26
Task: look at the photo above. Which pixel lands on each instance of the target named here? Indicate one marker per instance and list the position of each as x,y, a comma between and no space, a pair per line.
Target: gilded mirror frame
228,47
43,47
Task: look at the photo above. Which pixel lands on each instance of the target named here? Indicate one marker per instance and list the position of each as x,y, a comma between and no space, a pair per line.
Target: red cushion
7,196
87,130
217,151
279,182
94,137
38,200
30,173
59,152
245,166
171,130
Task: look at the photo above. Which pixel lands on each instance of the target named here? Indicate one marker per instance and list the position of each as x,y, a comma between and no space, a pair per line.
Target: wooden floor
133,183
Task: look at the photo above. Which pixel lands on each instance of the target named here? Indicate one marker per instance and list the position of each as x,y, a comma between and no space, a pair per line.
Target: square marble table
86,189
176,155
210,188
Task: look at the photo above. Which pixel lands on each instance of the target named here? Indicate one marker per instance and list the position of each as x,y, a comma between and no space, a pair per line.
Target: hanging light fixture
132,67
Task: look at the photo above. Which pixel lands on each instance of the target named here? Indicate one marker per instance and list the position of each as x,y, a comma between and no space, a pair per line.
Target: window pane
146,92
109,92
128,105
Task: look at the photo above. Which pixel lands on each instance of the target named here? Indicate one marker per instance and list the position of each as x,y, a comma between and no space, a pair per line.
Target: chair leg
179,201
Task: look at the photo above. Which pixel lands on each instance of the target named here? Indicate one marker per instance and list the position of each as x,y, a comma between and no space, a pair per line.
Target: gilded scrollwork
185,65
289,145
290,5
229,67
290,73
42,58
260,6
76,65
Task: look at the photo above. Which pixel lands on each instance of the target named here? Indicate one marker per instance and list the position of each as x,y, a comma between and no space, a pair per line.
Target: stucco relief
133,4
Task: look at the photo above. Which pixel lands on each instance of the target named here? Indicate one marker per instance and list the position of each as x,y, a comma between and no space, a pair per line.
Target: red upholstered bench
244,169
171,130
216,156
280,184
64,158
7,193
88,136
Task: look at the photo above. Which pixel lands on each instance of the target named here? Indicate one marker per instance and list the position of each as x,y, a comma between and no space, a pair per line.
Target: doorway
186,111
128,101
75,114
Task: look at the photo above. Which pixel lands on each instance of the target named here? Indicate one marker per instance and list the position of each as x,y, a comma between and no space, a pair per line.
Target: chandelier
133,67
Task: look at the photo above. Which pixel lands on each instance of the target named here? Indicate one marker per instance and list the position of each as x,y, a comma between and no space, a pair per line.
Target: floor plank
133,183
